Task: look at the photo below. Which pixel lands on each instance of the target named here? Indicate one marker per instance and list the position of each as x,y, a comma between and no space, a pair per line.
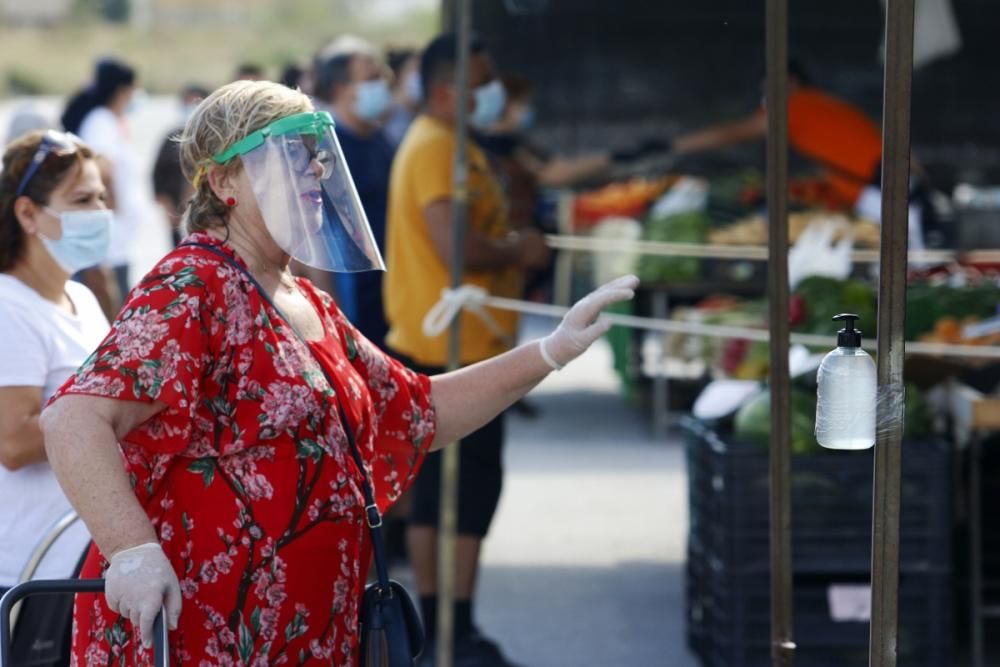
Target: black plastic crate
831,506
740,625
697,601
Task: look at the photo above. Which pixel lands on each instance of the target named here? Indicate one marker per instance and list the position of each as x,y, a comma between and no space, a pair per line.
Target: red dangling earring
230,201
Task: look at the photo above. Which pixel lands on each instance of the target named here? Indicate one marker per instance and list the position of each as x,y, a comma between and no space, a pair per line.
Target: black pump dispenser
848,336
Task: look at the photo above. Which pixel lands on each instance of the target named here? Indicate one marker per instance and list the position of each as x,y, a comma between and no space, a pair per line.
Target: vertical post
450,456
975,500
448,17
782,645
891,316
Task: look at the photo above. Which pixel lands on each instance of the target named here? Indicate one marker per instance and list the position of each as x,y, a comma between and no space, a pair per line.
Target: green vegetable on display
690,227
753,421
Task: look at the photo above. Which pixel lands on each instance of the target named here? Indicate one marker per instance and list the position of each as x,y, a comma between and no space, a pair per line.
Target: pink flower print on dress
286,405
139,334
239,321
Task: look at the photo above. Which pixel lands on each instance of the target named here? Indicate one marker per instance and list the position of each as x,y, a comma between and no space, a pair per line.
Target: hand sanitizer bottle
846,392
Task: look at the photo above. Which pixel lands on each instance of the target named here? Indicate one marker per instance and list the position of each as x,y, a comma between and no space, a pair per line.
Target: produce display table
657,300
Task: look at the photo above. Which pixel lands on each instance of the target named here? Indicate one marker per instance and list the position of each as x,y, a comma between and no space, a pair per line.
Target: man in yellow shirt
419,254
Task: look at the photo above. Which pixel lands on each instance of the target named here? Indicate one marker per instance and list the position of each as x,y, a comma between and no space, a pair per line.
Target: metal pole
976,550
891,316
448,15
450,457
782,645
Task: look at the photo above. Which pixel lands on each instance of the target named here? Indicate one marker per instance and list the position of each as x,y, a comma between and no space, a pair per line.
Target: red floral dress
247,474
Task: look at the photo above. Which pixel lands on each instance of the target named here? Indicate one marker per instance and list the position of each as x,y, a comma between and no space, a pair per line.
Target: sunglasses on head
52,143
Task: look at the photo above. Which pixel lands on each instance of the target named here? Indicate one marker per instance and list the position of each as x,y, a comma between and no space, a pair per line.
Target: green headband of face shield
309,123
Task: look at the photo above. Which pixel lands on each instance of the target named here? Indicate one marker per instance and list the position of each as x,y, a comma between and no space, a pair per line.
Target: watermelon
753,422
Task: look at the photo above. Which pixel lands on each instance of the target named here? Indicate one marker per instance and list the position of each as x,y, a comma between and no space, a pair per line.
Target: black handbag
391,632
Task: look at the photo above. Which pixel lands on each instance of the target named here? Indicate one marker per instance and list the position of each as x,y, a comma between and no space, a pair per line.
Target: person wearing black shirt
350,81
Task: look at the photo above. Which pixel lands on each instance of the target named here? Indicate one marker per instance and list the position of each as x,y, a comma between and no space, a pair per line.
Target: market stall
700,245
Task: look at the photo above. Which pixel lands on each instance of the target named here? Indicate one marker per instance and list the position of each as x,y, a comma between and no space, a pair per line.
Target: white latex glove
580,328
140,581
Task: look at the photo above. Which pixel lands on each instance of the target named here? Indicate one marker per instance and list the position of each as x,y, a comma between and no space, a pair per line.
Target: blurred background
633,527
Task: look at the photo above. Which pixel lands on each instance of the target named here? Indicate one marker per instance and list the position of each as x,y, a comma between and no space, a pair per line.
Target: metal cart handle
54,532
13,596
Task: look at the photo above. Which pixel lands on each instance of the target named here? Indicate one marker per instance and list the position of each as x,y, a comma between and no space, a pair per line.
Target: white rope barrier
453,301
476,300
753,253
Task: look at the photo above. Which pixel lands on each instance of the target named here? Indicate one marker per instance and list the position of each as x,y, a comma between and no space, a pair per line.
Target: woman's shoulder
99,127
19,303
14,292
87,306
198,253
191,268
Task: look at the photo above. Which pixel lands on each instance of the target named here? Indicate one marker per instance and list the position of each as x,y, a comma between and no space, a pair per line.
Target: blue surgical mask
374,98
86,236
490,101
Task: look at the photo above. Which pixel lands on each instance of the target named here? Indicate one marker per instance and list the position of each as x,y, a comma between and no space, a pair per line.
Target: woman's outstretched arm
468,398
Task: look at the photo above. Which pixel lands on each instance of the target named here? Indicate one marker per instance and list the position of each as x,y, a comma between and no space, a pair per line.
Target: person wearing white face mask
419,255
350,81
53,222
407,92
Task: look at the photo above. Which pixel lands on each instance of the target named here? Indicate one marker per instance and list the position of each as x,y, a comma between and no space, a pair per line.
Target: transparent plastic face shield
306,195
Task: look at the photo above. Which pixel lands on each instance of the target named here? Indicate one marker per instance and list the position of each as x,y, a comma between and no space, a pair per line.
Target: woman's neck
39,272
268,267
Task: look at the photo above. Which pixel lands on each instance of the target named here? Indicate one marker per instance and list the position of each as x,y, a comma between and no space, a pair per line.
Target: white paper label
850,602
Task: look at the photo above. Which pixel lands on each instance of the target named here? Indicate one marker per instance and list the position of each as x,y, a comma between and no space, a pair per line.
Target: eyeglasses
304,153
53,142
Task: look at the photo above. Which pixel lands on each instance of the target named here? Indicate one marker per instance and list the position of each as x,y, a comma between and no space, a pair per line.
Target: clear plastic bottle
846,393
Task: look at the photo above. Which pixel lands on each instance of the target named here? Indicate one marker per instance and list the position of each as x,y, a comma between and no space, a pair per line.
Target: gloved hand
580,328
135,585
647,147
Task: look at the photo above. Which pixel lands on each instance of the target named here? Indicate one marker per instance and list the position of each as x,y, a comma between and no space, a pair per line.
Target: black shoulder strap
372,514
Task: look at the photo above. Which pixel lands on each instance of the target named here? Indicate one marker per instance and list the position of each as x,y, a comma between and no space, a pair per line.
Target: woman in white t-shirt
53,222
98,115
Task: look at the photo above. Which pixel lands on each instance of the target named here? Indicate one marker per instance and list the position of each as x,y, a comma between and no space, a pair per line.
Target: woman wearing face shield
53,222
206,442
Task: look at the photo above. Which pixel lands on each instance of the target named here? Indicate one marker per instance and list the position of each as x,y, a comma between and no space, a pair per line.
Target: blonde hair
231,113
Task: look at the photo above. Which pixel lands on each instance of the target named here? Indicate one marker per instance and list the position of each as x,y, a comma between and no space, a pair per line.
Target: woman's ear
26,212
222,181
